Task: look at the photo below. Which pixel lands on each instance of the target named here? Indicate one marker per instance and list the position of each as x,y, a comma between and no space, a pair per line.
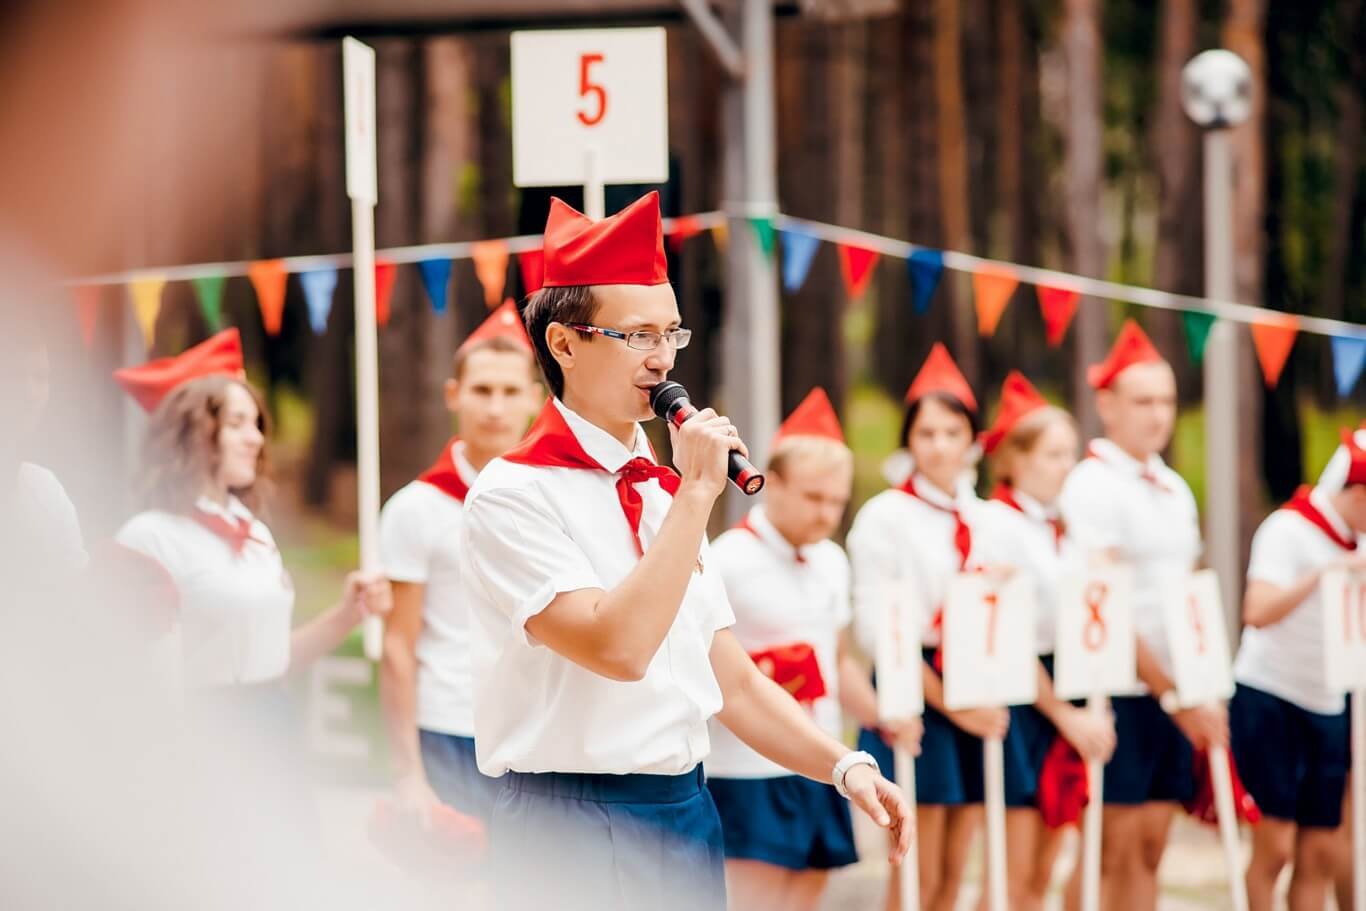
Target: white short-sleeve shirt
419,540
779,600
1147,513
235,609
533,532
1025,539
44,534
1286,658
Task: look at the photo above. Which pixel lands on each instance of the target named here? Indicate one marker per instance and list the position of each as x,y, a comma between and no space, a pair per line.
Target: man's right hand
416,797
1204,726
701,450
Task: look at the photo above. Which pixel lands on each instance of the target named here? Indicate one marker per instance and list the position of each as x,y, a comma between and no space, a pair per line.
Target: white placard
1194,617
989,639
358,75
900,684
580,89
1344,629
1094,653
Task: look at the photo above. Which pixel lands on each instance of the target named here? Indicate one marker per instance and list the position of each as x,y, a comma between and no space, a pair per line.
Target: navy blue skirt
454,775
607,843
788,821
1153,760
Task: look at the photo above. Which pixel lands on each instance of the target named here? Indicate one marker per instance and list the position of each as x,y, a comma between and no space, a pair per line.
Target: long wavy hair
180,453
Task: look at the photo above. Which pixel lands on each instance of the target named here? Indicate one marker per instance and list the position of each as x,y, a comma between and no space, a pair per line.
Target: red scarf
745,525
962,534
1145,473
236,531
1301,504
551,444
444,476
1004,493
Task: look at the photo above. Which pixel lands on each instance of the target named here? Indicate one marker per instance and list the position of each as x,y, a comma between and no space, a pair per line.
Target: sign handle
993,756
910,867
367,408
1228,826
1095,816
594,192
1359,798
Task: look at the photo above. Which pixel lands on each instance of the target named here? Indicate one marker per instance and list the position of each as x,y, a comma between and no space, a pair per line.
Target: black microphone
670,401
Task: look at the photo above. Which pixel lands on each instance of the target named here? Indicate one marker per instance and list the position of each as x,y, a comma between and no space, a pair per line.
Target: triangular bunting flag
532,264
798,251
1273,338
1058,306
681,229
385,275
1198,325
208,290
87,310
491,267
991,289
146,294
436,278
319,287
1349,356
268,277
720,235
763,232
856,265
925,268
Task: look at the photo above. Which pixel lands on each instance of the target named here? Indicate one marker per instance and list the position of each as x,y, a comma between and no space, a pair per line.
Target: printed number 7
587,88
1193,605
993,604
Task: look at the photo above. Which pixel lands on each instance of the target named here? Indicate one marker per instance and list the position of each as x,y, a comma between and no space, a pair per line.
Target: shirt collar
1032,507
462,465
600,445
928,492
1324,504
1116,457
235,508
766,532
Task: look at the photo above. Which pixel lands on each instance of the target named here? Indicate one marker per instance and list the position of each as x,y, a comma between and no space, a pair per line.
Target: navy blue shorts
454,775
1293,762
789,821
607,843
1153,759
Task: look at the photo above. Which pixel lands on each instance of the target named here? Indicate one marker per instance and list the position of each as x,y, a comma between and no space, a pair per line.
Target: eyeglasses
641,339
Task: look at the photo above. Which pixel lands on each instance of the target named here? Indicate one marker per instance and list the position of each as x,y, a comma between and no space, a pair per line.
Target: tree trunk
1009,128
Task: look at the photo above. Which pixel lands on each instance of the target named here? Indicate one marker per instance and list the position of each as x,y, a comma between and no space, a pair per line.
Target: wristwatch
1170,701
847,762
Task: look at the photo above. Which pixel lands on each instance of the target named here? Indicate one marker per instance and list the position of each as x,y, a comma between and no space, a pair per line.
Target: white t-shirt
780,601
419,540
1147,513
43,534
903,540
235,609
1286,658
532,532
1025,539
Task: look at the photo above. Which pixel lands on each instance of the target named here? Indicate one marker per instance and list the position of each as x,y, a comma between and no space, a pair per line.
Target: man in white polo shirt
601,644
425,678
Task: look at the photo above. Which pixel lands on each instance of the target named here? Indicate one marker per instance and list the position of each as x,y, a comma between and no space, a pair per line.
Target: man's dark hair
566,305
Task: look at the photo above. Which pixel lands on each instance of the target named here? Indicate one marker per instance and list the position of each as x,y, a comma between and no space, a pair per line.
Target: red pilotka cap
149,383
1131,347
622,249
505,322
941,374
814,417
1019,398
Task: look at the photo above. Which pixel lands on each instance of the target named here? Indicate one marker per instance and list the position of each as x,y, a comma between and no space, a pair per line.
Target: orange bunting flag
385,275
681,229
87,311
491,267
856,265
1273,337
146,294
991,289
1058,306
268,277
720,235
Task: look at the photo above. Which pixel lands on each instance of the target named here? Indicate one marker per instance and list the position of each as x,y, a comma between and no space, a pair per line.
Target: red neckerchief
1300,503
962,534
551,444
1145,474
1004,493
444,475
745,525
236,531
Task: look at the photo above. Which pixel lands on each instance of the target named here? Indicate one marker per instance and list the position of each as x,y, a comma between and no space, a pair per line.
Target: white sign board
1094,653
989,639
358,74
900,686
1344,629
1194,617
576,90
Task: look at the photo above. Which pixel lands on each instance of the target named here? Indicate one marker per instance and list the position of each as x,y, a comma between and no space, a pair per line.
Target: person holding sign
602,644
1124,502
425,677
1289,727
916,537
1033,448
788,584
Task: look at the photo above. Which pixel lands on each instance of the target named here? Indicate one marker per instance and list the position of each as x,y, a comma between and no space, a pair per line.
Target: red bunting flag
491,267
1273,336
532,264
385,275
991,288
856,265
681,229
87,310
1058,306
268,277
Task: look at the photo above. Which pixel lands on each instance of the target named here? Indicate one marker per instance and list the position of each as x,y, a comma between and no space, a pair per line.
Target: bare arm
364,594
857,695
398,677
1265,604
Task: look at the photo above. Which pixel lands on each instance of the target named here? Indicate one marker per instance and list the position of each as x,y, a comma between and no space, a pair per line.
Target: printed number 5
586,88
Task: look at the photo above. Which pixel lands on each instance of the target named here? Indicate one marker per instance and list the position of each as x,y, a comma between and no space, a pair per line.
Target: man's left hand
885,805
